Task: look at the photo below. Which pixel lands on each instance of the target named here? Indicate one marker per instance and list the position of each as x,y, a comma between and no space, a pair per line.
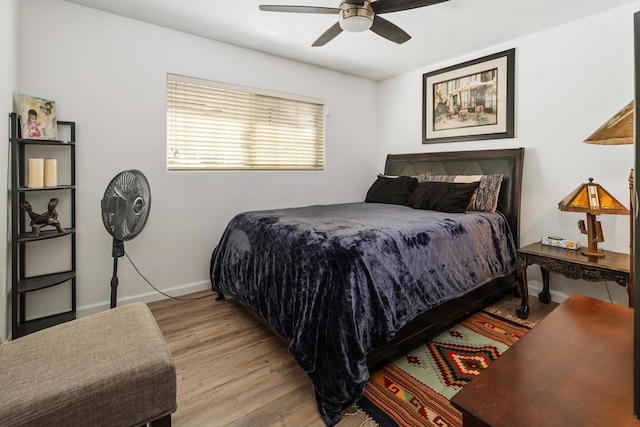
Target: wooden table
575,368
614,266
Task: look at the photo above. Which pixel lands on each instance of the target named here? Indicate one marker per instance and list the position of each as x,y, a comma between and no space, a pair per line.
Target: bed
349,285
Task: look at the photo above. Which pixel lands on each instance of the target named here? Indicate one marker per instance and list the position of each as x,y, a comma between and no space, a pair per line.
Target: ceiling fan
359,15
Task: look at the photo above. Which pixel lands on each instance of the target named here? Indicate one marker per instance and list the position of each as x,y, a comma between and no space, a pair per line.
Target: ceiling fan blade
389,31
300,9
386,6
357,2
328,35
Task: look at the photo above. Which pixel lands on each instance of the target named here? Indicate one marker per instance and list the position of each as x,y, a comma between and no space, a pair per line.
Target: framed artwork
37,117
469,101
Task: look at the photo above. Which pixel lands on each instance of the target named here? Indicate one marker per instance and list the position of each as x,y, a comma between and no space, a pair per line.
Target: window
213,125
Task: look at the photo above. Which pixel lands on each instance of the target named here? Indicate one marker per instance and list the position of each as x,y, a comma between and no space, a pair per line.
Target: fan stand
116,252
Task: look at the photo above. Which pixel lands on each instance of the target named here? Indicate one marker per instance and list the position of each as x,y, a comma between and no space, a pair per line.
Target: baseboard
146,297
536,287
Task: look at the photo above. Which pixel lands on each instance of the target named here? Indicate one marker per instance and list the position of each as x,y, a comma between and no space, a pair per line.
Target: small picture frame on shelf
37,117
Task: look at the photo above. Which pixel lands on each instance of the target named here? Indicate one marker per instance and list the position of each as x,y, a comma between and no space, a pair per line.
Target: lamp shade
592,198
618,130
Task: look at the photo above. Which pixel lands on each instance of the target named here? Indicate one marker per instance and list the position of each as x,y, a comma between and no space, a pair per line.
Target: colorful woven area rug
414,389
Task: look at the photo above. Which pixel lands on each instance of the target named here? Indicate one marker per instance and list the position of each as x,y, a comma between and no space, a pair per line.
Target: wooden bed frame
507,162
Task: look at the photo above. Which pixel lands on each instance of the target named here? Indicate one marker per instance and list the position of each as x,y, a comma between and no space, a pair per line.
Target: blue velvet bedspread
339,280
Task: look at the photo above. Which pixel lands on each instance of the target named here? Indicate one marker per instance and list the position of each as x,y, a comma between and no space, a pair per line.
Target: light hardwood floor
232,371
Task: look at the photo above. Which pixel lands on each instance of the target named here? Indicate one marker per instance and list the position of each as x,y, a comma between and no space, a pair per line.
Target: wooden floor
233,372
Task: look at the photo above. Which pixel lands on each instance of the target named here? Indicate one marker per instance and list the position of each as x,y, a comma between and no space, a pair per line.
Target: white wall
9,18
108,74
569,81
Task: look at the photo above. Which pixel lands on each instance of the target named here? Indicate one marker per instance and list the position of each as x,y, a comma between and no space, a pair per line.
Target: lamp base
599,253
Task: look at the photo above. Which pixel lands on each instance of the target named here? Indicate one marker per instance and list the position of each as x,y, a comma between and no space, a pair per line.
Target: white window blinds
211,125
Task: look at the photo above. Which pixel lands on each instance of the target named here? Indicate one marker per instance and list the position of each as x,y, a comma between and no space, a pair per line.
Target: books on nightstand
559,242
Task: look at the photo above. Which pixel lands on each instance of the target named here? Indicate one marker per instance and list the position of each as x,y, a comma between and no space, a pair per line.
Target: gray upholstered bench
109,369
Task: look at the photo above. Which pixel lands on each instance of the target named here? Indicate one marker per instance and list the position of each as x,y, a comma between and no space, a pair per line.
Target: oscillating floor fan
125,208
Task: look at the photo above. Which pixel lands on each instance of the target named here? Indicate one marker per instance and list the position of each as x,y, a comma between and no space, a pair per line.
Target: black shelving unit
21,284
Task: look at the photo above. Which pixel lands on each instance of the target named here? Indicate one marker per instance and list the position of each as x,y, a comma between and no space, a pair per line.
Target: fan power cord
606,284
158,290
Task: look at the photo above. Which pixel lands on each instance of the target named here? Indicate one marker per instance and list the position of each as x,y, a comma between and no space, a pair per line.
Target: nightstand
614,266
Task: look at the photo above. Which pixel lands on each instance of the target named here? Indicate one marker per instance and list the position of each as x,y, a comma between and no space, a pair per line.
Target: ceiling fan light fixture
356,24
355,18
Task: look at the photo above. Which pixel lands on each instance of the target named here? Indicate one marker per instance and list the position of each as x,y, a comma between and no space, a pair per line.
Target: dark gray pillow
451,197
485,199
394,191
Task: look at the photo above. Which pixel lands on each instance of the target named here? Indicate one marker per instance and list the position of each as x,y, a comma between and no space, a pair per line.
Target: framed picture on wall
469,101
37,117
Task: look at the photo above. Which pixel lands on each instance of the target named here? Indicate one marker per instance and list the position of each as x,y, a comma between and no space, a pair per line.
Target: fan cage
125,204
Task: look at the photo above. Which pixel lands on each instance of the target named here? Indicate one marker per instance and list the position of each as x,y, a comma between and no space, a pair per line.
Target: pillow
423,177
395,176
394,191
443,196
486,197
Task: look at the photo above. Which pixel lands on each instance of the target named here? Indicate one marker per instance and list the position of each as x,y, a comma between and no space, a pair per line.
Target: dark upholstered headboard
507,162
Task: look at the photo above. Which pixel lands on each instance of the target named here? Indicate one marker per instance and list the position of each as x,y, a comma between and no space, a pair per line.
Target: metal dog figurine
50,217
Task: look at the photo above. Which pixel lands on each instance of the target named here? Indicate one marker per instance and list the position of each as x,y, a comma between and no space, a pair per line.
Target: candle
36,173
50,173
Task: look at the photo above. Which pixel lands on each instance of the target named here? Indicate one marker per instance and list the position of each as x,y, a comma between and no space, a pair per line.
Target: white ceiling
439,32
